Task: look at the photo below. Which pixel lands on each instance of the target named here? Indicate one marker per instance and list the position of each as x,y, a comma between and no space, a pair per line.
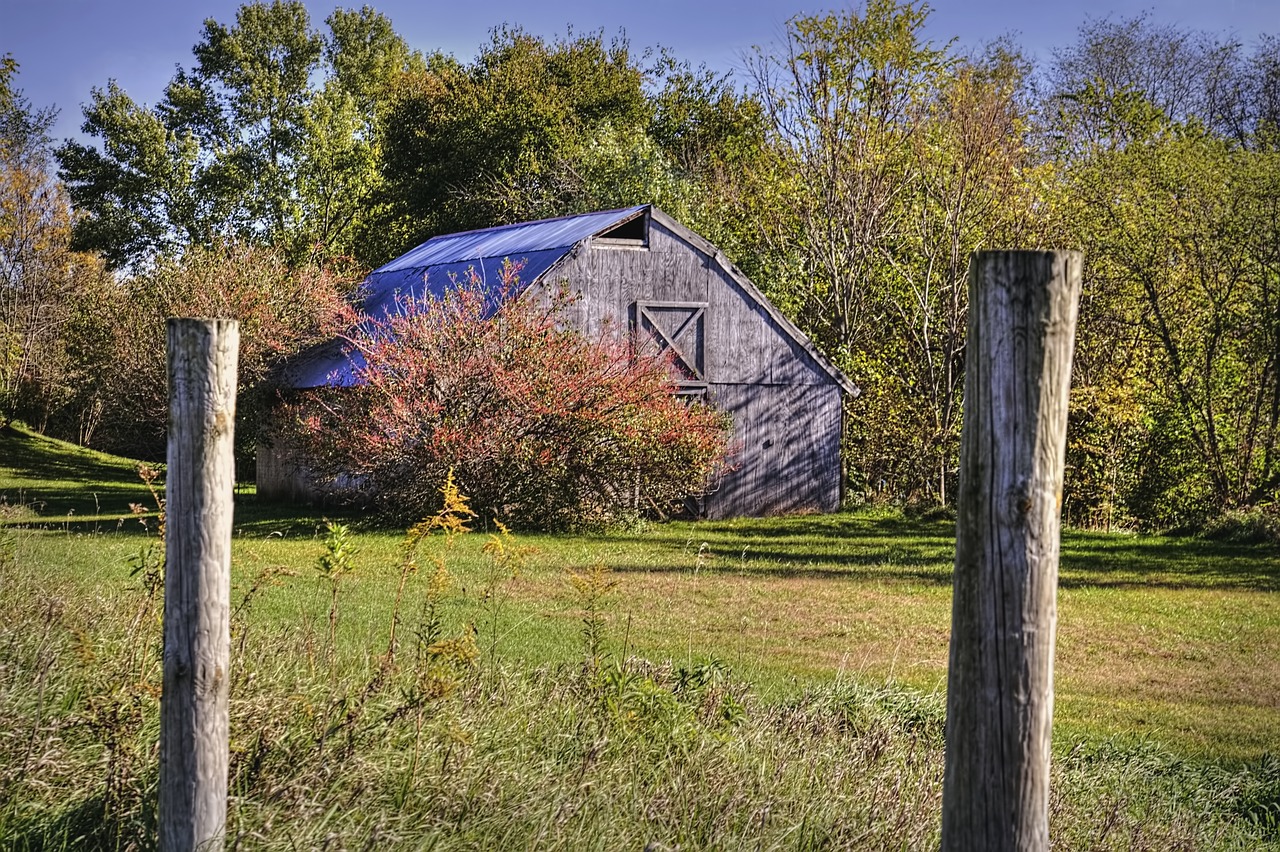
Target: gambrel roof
442,262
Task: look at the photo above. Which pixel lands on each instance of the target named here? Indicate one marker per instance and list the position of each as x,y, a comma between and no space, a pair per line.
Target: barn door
679,328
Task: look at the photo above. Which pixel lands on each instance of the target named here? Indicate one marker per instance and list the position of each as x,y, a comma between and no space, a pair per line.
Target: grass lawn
1175,639
1170,644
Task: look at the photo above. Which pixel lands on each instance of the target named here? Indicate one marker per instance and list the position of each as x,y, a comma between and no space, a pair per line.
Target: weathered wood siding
744,345
788,450
282,477
786,409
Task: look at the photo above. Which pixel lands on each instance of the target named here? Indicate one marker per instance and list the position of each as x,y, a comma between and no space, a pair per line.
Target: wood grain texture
1022,317
787,450
662,239
197,591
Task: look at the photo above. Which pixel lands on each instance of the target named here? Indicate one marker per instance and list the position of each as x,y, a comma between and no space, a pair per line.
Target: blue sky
66,47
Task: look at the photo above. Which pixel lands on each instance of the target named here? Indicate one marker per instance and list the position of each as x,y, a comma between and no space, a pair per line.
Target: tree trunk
197,588
1022,317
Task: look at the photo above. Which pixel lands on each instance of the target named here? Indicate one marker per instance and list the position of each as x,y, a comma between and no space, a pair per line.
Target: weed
265,578
592,588
506,559
148,563
704,557
451,521
8,548
335,563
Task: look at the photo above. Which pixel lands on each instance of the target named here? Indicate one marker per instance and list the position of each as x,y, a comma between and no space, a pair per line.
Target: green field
764,683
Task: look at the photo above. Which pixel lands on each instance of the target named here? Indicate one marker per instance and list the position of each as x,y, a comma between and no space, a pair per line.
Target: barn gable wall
787,409
744,345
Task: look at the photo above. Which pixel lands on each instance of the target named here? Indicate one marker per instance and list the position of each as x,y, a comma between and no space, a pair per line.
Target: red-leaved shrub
542,426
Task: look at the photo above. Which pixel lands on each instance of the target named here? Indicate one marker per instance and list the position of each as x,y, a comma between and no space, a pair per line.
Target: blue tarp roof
441,262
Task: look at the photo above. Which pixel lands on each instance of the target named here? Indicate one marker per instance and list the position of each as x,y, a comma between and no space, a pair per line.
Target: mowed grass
52,478
1174,639
828,735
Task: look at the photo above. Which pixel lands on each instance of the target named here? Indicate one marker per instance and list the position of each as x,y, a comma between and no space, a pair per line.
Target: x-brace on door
681,329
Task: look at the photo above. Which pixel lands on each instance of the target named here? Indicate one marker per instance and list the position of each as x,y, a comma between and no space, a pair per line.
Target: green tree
533,128
714,136
143,194
1179,72
42,282
971,182
475,145
1162,138
893,160
281,311
841,99
1104,88
1185,223
272,136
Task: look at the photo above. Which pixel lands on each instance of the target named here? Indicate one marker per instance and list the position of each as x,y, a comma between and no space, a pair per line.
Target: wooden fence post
197,587
1022,319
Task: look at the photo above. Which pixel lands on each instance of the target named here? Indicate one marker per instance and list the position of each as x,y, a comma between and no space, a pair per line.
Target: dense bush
542,426
122,403
1254,525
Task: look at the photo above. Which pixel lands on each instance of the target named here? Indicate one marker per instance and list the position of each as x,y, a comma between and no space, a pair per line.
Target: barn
639,269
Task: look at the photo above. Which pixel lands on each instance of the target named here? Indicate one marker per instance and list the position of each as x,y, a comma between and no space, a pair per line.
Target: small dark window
633,233
691,392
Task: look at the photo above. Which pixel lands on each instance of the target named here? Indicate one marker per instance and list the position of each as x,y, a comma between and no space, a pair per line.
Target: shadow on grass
87,824
840,524
32,456
1110,560
881,547
258,518
880,573
55,505
56,485
843,546
58,481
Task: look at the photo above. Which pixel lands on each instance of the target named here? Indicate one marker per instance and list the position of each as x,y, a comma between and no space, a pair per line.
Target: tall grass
448,692
438,740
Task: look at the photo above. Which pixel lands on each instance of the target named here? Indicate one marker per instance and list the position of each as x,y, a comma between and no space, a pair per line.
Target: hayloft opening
633,233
